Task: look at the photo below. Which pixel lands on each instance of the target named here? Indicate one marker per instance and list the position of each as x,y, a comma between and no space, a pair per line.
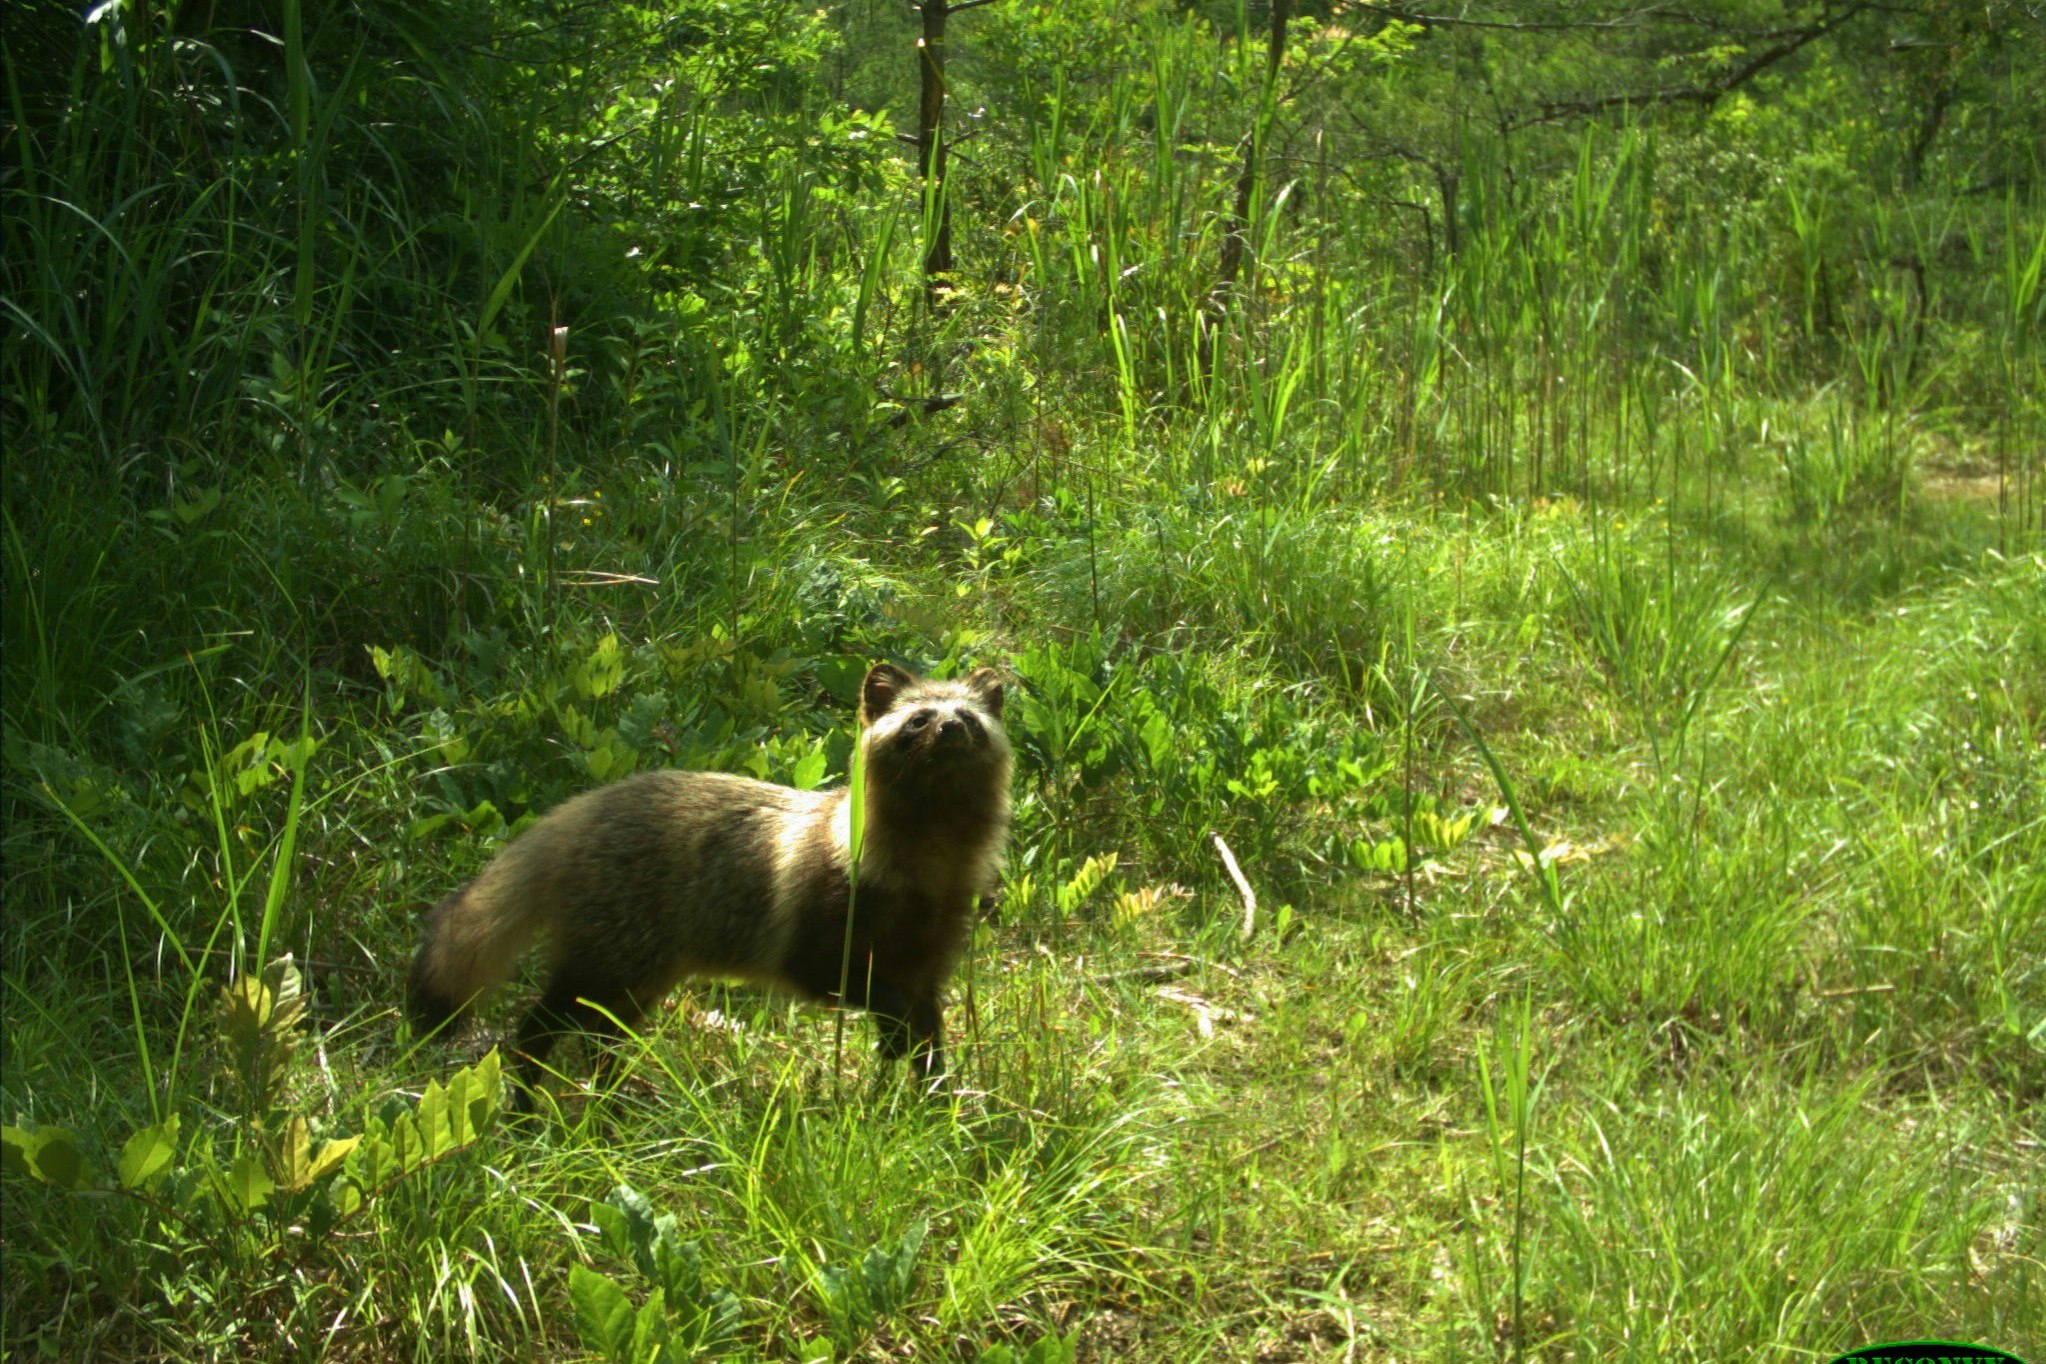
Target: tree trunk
930,140
1236,232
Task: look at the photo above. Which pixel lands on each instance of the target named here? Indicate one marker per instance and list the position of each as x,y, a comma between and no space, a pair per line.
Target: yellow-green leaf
148,1153
49,1154
249,1185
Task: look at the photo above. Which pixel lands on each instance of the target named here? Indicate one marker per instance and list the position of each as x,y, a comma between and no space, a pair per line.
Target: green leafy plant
272,1188
684,1316
1050,1349
856,1296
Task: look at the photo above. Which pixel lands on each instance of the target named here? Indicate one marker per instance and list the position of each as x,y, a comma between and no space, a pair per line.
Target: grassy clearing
1593,583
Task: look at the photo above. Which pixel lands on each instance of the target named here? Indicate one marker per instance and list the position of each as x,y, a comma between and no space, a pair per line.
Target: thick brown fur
666,875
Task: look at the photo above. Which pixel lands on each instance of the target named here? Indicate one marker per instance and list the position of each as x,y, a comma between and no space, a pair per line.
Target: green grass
1615,651
1782,1062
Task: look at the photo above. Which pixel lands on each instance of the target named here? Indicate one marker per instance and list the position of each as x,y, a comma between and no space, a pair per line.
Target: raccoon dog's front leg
911,1024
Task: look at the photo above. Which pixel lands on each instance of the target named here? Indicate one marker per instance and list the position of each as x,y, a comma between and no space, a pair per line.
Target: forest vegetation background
1553,490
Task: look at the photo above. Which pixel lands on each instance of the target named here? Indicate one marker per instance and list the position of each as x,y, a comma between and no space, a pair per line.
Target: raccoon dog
668,875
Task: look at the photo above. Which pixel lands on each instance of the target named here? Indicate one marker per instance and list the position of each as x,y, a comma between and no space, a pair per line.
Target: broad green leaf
484,818
677,1264
347,1197
486,1088
841,678
258,1017
59,1160
1050,1350
460,1131
148,1153
809,770
408,1147
610,760
581,731
603,1316
431,1124
249,1185
600,673
49,1154
630,1229
16,1152
197,506
374,1161
423,828
291,1161
1161,745
298,1166
248,762
652,1332
614,1227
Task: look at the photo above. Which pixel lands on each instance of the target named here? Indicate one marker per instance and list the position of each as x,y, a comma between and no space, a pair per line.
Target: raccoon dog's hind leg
909,1023
575,1002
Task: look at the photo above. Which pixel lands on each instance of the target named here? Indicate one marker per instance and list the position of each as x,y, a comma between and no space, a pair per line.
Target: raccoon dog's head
916,727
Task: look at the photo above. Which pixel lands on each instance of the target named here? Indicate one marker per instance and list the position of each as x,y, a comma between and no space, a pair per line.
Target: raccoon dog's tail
472,939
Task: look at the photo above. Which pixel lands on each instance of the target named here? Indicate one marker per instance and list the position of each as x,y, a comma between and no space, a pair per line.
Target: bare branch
1631,19
1407,16
1706,95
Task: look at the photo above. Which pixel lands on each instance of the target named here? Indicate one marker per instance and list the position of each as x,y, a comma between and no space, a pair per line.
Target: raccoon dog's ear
986,686
885,682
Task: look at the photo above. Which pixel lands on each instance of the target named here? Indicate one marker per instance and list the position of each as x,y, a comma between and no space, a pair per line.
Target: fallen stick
1242,886
1145,975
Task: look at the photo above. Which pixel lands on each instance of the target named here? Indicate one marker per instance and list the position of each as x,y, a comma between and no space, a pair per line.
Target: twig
1204,963
601,577
1853,990
1145,975
937,403
1206,1013
1242,886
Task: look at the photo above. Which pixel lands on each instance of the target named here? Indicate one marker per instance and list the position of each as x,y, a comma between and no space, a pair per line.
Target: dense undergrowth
1587,569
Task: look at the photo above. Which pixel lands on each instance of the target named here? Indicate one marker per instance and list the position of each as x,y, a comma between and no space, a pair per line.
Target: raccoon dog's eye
917,721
